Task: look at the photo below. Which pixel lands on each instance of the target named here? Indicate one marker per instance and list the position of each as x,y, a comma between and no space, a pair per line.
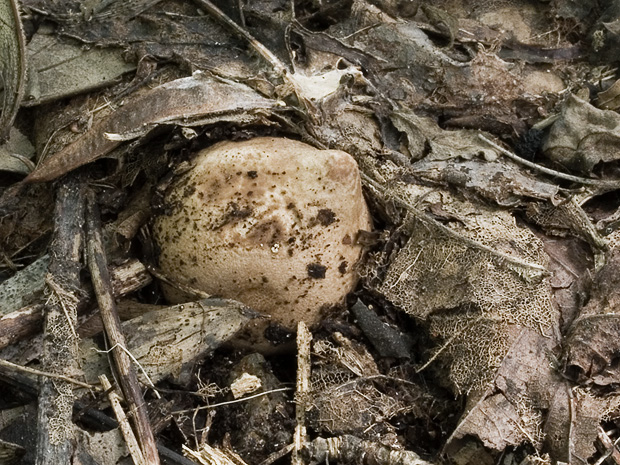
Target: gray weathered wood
55,435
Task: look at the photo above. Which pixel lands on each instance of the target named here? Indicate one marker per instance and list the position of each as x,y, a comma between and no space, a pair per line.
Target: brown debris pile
484,325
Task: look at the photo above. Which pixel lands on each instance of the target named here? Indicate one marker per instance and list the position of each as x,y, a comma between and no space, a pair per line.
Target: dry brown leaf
189,101
510,411
583,136
592,345
610,98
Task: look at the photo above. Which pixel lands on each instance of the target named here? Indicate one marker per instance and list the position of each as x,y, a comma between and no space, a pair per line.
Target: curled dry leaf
583,136
592,344
189,101
16,153
610,98
12,63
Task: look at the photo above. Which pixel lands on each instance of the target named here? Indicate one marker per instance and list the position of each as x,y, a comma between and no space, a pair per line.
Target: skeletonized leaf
189,101
12,64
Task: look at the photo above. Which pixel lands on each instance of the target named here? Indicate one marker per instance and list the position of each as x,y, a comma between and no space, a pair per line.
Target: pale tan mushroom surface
271,222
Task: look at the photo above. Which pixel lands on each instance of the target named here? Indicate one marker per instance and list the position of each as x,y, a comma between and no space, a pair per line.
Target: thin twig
304,338
419,214
127,377
277,454
263,51
149,382
47,374
123,423
550,172
207,407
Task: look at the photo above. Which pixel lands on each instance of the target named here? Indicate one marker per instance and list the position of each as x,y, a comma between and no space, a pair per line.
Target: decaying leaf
12,64
346,391
592,344
567,217
165,31
573,419
62,69
23,287
583,136
105,447
461,159
167,340
610,98
500,181
423,134
191,101
16,153
510,411
477,280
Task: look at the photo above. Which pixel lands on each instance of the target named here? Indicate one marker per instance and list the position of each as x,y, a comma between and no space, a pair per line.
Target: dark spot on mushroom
342,267
316,270
252,174
326,216
237,212
346,240
268,232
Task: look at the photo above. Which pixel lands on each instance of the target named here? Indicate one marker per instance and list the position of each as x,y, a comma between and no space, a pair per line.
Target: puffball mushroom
271,222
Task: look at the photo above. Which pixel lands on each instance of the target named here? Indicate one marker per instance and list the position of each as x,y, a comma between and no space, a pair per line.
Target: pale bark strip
55,435
123,422
304,338
126,373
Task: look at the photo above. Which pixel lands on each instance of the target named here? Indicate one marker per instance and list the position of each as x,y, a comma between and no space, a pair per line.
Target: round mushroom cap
271,222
